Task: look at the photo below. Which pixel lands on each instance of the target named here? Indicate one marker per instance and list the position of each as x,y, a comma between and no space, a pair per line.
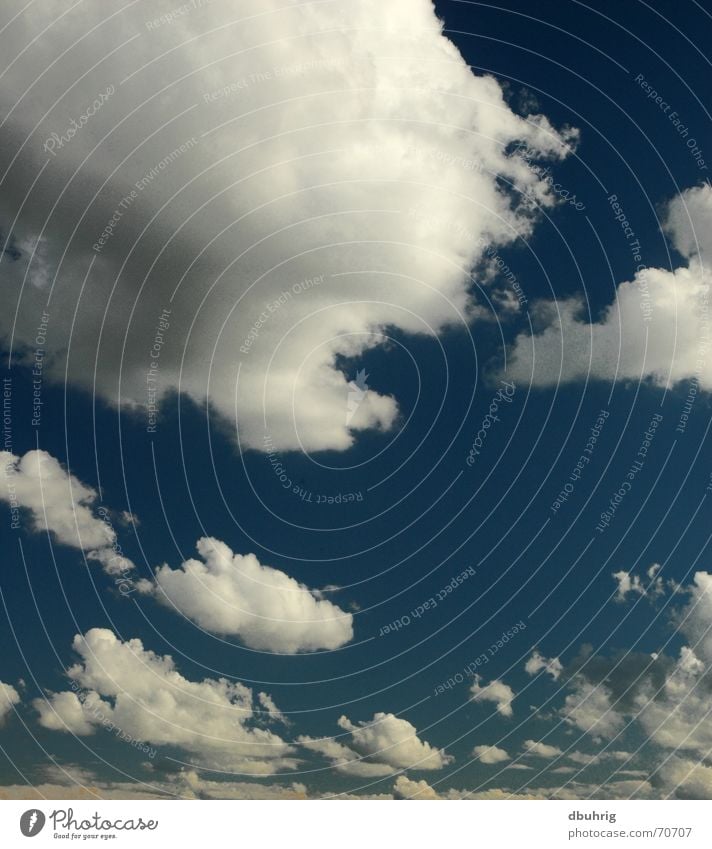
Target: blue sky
381,512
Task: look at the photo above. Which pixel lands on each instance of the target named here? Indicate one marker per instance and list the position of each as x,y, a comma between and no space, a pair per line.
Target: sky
356,395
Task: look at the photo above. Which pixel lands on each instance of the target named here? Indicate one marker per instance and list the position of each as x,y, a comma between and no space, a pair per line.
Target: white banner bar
358,825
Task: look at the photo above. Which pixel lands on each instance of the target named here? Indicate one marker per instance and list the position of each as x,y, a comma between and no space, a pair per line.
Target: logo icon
357,392
32,822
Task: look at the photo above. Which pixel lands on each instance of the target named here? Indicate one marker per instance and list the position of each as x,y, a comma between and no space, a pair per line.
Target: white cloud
406,788
657,329
695,620
542,750
368,160
666,700
585,759
9,697
490,754
378,747
274,714
628,583
680,717
689,220
59,502
685,779
68,781
589,708
121,686
676,714
234,594
538,663
65,712
496,691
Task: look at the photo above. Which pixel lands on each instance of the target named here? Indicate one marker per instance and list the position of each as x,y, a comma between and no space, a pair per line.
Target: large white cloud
59,502
378,747
235,594
346,143
659,328
123,686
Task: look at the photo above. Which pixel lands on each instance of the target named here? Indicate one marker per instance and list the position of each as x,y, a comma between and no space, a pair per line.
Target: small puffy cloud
496,691
490,754
585,759
139,695
538,663
58,502
629,583
9,697
657,329
234,594
542,750
378,747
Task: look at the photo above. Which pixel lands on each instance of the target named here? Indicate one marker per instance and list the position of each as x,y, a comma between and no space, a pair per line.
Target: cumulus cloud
538,663
665,699
259,199
658,328
496,691
695,619
378,747
406,788
680,716
490,754
57,501
589,709
121,686
688,222
629,583
685,779
9,697
234,594
542,750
